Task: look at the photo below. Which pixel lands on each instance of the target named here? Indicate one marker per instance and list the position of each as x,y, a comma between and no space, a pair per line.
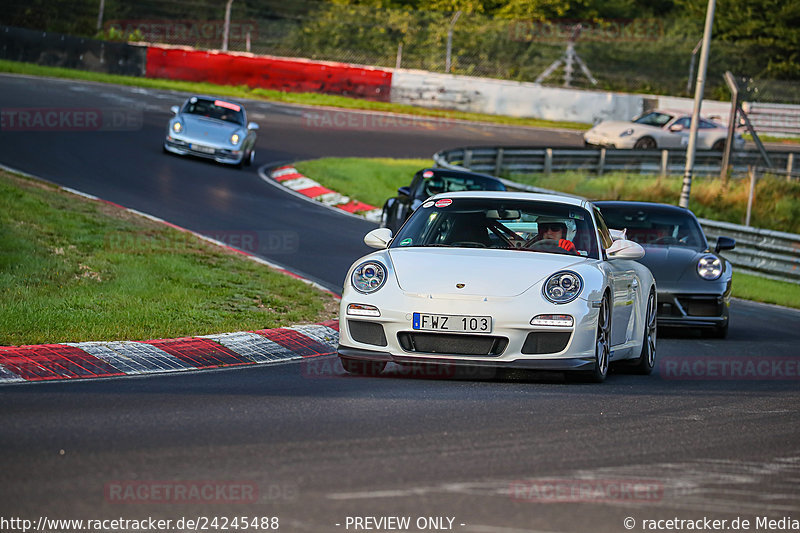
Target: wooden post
789,166
664,163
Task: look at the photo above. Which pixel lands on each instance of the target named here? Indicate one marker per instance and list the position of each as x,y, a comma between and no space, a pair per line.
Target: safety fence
507,161
765,253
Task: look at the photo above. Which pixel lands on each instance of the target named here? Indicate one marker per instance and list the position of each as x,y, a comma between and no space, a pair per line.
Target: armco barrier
765,253
507,161
282,74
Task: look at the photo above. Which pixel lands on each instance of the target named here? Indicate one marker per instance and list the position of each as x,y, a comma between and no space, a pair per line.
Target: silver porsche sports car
212,128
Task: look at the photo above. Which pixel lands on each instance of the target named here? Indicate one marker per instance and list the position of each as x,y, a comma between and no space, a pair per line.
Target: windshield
217,109
518,225
656,227
653,119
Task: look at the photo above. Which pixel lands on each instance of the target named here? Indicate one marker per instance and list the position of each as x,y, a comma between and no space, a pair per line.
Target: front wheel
602,346
362,368
647,359
645,143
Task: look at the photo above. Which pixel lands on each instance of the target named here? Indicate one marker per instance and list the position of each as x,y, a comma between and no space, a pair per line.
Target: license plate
203,149
454,323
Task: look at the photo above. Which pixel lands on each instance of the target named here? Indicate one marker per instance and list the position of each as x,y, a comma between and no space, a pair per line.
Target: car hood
670,263
207,130
612,127
497,273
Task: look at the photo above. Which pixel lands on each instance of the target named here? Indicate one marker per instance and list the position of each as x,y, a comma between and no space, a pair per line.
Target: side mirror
175,109
404,192
378,238
624,249
252,126
675,128
617,234
724,243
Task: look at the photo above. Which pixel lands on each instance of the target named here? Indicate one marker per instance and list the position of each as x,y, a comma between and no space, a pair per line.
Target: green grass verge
374,180
314,99
765,290
368,180
73,270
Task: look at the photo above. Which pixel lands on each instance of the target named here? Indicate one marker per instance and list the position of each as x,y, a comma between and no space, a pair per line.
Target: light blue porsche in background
216,129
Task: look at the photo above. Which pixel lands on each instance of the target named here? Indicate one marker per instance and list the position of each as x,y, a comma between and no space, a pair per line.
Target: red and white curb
289,177
85,360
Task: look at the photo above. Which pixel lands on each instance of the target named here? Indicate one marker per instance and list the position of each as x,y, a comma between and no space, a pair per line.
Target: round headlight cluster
368,277
235,139
177,127
709,267
562,287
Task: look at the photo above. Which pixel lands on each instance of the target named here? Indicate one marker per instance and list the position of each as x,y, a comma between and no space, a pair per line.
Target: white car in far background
658,130
477,279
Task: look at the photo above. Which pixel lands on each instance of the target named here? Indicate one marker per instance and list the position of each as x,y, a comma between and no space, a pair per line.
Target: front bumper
693,310
512,343
593,139
220,155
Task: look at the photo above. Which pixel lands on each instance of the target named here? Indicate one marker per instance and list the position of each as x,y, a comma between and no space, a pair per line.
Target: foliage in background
514,39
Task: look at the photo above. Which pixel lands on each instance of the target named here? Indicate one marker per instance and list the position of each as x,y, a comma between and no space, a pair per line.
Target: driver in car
555,230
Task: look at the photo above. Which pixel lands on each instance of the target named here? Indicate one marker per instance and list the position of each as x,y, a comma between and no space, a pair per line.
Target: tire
385,216
718,146
602,346
250,158
718,333
362,368
645,143
647,359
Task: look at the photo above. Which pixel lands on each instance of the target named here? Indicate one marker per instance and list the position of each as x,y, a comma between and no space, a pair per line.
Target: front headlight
562,287
177,127
626,133
368,277
235,139
709,267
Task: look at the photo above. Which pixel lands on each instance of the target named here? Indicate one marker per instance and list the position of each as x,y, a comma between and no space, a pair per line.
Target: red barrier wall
293,75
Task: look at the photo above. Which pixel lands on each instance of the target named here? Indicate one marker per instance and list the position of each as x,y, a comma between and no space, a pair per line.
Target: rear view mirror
174,109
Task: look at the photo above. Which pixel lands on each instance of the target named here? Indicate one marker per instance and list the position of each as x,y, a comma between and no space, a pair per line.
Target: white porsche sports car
658,130
502,279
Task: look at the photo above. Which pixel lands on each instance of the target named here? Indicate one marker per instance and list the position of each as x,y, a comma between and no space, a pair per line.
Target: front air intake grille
539,342
695,306
367,332
452,344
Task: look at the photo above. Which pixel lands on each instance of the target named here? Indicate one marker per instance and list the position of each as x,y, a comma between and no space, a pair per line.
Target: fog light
363,310
565,321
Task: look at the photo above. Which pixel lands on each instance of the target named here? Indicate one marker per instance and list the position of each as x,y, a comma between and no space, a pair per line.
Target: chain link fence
631,55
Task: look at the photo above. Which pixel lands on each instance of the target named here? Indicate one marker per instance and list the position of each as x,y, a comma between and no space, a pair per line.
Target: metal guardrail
507,161
764,253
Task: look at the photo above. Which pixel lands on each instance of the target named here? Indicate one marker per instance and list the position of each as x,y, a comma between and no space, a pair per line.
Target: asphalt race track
712,434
